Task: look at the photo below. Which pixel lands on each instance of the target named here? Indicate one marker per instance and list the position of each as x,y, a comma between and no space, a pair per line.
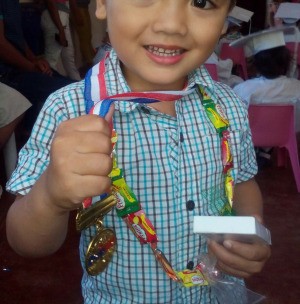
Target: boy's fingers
94,164
109,115
235,263
90,122
92,142
84,123
232,271
251,252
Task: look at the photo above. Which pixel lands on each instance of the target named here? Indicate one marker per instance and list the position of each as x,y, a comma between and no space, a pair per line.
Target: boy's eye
202,3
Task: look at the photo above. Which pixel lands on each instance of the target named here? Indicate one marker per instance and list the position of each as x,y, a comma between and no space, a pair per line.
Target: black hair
232,4
273,63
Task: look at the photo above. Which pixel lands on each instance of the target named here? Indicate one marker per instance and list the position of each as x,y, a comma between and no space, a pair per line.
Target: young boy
169,151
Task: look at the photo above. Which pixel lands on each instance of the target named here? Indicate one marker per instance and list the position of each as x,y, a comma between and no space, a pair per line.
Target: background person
84,33
13,105
57,35
29,74
271,60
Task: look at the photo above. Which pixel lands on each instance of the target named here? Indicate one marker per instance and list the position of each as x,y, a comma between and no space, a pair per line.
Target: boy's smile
159,42
165,55
166,52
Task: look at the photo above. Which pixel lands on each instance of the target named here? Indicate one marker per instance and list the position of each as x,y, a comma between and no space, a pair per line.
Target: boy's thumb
109,115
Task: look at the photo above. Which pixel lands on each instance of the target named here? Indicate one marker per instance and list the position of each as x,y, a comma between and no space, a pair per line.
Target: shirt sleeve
35,155
242,91
247,160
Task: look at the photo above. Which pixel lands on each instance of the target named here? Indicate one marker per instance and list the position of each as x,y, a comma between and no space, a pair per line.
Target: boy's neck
165,107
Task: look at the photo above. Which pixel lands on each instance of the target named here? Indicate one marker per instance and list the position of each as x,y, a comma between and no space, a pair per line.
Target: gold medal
91,215
102,246
100,251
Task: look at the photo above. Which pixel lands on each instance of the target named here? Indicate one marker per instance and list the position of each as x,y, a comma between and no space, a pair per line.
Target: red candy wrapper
141,226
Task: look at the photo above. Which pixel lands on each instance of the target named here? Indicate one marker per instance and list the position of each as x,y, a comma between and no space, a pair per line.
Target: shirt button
190,265
181,137
190,205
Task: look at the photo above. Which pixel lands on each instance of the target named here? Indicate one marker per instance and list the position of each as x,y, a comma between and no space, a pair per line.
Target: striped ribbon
98,102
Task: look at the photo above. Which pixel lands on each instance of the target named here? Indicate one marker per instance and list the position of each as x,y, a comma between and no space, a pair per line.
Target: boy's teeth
162,52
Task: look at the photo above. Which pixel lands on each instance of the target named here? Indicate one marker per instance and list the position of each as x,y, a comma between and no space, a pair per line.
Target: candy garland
127,206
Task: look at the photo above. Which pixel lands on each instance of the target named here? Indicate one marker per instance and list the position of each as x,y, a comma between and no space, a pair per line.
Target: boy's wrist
49,199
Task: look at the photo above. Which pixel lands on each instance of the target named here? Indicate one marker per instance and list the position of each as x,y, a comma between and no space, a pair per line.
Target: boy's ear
100,9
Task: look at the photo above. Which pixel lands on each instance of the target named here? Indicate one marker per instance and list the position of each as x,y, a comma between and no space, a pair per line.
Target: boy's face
160,41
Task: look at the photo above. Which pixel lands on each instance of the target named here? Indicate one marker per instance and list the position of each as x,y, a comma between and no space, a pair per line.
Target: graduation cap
288,12
263,40
239,15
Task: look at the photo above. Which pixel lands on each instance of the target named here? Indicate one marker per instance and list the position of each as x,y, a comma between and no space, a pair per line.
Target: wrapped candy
126,200
141,226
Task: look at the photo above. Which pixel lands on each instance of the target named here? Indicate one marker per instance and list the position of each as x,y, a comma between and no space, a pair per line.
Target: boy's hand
240,259
80,161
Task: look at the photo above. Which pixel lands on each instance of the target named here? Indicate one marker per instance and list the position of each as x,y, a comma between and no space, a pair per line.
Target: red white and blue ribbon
98,102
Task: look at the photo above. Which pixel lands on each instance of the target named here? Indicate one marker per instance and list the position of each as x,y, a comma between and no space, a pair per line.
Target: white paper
242,228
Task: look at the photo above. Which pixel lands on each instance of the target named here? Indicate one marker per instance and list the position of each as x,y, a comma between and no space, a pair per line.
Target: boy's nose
171,18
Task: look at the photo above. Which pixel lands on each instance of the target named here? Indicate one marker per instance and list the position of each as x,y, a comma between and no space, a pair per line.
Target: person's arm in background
53,11
237,258
76,13
41,64
12,56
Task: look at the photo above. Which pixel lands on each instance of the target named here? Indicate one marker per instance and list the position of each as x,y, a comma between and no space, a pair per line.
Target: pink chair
212,70
237,55
273,125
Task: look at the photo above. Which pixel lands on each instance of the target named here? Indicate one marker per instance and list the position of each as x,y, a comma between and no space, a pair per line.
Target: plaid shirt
174,167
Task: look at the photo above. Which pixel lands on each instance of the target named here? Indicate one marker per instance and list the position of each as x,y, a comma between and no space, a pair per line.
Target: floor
56,279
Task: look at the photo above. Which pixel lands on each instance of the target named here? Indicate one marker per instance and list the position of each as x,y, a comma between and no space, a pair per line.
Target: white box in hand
241,228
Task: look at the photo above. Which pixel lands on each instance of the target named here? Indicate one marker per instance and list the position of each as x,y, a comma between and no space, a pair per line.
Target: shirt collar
116,82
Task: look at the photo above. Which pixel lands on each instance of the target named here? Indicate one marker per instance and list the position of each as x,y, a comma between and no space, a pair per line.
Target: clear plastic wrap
226,292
